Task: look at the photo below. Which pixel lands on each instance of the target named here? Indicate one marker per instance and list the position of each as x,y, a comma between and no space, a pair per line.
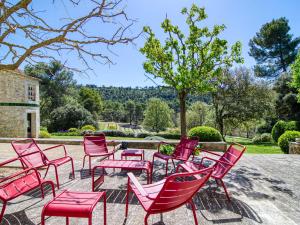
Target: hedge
204,133
286,138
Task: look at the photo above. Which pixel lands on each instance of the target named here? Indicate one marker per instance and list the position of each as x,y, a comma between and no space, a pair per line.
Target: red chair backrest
24,148
231,156
179,189
185,148
95,144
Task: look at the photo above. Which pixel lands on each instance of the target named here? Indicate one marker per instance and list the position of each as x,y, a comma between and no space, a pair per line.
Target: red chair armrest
210,152
57,146
21,172
9,161
136,183
216,160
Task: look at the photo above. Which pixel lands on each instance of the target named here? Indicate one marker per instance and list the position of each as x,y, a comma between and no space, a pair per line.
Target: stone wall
15,104
294,148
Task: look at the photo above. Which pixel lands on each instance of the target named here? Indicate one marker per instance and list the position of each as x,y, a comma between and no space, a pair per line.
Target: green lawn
265,148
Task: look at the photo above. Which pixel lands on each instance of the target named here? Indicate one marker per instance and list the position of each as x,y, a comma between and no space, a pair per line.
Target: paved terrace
264,188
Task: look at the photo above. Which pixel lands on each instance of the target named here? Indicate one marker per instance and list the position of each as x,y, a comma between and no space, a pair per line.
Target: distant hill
138,94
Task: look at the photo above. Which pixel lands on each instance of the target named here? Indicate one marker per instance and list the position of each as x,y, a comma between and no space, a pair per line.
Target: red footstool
133,153
74,204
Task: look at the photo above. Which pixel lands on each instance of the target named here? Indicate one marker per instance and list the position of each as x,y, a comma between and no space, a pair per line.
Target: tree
113,111
273,48
91,100
157,115
189,63
56,83
239,98
28,33
70,116
130,109
286,106
138,113
296,75
196,114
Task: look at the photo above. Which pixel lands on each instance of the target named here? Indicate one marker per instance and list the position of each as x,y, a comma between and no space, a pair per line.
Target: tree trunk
182,102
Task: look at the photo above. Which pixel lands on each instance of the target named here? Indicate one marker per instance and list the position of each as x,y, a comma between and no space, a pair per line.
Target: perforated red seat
221,166
183,150
168,194
20,183
74,204
32,156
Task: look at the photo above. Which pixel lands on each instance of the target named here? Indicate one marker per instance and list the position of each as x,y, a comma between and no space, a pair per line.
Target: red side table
133,153
74,204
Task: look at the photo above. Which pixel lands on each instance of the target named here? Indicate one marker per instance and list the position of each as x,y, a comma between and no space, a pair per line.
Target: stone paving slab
264,190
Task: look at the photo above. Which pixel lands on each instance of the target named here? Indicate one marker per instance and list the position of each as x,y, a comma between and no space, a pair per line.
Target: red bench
121,164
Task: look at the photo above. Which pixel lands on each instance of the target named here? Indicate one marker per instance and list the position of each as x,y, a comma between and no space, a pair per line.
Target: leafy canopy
158,115
273,48
296,75
189,62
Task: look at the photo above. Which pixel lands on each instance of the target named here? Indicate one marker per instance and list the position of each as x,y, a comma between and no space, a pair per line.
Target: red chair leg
83,161
56,176
90,163
225,189
167,167
42,219
194,212
73,172
42,191
127,199
152,163
67,220
146,219
52,187
104,207
46,171
2,211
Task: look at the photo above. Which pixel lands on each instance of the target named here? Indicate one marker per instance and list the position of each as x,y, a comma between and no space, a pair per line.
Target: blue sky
243,18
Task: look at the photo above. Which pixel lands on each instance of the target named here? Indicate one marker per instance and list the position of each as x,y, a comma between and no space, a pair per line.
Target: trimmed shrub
88,127
281,126
116,133
204,133
66,134
44,134
286,138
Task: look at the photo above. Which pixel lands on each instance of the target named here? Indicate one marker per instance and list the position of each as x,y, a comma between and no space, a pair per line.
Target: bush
265,137
166,149
66,134
88,127
69,116
204,133
42,128
281,126
74,130
116,133
44,134
287,137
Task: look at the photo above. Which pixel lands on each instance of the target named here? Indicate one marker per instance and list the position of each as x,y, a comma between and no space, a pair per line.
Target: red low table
74,204
133,153
121,164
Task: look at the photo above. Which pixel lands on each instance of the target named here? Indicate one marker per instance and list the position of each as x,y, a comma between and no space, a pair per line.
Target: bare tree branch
26,35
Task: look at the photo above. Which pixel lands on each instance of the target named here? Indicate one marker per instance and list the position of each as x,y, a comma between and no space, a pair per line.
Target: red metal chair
20,183
96,146
167,194
32,156
183,150
221,166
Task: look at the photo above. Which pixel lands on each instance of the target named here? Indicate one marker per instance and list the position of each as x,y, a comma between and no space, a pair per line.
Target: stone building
19,105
